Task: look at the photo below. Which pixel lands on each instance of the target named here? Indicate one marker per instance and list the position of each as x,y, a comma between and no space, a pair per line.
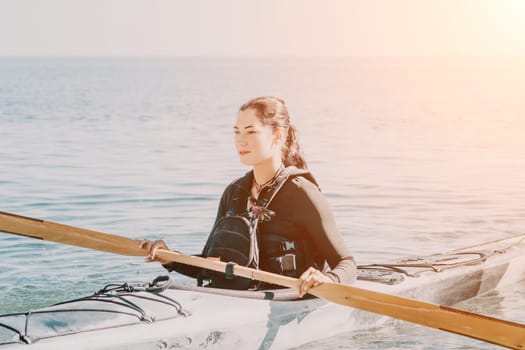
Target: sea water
415,155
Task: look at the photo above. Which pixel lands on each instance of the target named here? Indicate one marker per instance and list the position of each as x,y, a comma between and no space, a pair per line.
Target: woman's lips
243,153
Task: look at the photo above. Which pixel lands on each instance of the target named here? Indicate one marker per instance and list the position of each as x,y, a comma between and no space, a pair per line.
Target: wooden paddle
489,329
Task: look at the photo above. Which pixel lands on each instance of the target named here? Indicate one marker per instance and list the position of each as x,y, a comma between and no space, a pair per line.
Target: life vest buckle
287,262
288,246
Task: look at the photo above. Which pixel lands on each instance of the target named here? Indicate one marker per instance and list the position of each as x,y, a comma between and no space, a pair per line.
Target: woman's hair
272,111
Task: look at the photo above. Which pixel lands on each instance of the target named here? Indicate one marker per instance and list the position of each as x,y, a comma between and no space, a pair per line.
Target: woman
300,239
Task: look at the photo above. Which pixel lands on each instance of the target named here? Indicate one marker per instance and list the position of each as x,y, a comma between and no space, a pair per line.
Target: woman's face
254,141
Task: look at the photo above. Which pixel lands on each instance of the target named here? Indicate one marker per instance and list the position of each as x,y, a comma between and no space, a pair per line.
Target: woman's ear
279,136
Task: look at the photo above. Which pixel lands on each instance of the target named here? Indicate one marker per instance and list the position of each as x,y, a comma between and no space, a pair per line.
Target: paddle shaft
489,329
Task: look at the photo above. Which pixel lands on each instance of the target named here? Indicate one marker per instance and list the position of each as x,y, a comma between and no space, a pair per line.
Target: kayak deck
196,317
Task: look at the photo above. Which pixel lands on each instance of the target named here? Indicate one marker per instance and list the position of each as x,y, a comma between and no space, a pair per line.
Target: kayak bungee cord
435,263
387,273
113,294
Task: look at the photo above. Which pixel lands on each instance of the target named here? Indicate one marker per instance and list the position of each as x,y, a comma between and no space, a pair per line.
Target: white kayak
167,316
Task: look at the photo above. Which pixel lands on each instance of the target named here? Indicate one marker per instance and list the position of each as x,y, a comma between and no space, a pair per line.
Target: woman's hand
311,278
152,248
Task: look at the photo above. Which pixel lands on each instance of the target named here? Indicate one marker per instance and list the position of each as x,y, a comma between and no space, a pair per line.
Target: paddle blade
481,327
59,233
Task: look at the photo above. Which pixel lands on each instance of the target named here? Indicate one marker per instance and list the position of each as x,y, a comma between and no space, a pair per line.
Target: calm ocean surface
416,156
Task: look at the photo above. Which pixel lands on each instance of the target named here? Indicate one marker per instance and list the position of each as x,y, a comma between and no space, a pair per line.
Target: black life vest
234,239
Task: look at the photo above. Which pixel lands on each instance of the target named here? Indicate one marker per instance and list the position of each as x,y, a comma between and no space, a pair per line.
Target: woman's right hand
152,248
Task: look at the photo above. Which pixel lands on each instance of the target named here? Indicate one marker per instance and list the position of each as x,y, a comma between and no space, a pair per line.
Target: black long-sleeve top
301,213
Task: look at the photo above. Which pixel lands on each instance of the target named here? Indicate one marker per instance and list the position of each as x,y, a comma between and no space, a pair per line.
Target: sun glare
513,14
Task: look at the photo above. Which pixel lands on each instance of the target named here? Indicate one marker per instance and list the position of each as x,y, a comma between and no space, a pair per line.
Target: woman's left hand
311,278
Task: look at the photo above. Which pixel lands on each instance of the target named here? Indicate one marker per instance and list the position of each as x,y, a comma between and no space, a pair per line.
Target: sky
262,28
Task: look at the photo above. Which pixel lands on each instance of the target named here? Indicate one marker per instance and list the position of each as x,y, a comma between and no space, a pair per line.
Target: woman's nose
241,140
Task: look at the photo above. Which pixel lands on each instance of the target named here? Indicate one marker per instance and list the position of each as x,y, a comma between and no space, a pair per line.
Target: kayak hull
224,319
